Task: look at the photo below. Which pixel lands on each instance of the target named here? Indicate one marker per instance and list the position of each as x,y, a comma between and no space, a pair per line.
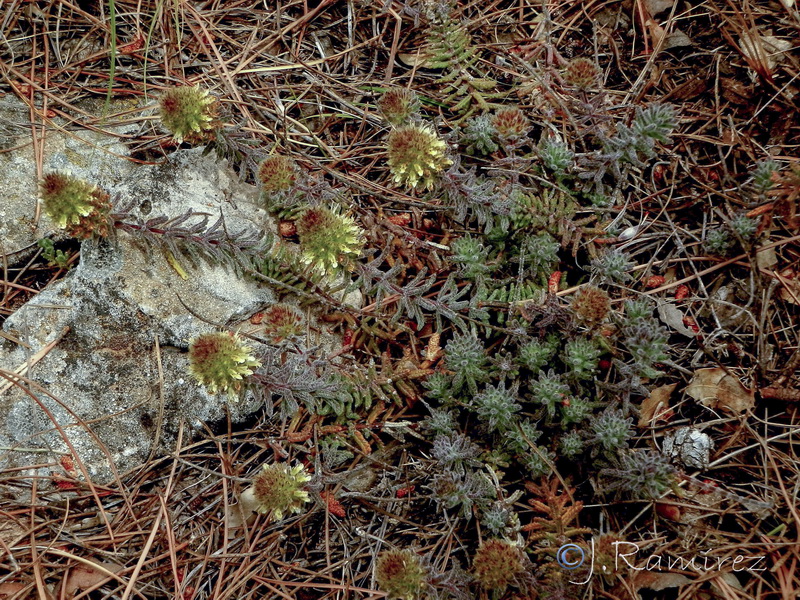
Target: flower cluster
278,489
75,205
328,239
398,105
220,361
401,574
416,155
277,174
498,564
189,114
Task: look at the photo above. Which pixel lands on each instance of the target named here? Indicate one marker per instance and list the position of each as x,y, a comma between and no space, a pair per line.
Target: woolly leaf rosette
416,156
188,113
220,361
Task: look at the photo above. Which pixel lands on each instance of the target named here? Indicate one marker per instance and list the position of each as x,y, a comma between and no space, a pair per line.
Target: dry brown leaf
657,581
655,7
413,59
11,532
763,49
656,406
671,315
244,511
766,258
717,389
790,291
674,39
10,589
83,576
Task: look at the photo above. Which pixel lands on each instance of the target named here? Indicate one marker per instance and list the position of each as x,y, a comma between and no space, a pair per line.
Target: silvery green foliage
539,254
549,391
717,241
610,430
189,235
409,303
454,452
505,366
644,338
519,439
762,175
449,301
496,406
581,356
537,353
638,311
538,461
471,255
296,377
472,489
642,474
575,410
744,227
496,518
650,125
571,444
440,387
501,520
613,266
439,421
479,135
465,355
333,451
470,196
556,155
372,280
629,145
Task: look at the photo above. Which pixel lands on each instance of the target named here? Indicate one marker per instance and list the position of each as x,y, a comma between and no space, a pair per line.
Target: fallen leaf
669,511
657,581
717,389
673,39
766,258
655,7
763,50
790,292
676,39
83,576
10,589
413,59
728,580
656,406
244,511
671,315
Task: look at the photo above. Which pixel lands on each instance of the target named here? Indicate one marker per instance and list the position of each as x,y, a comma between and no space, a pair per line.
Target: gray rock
115,387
